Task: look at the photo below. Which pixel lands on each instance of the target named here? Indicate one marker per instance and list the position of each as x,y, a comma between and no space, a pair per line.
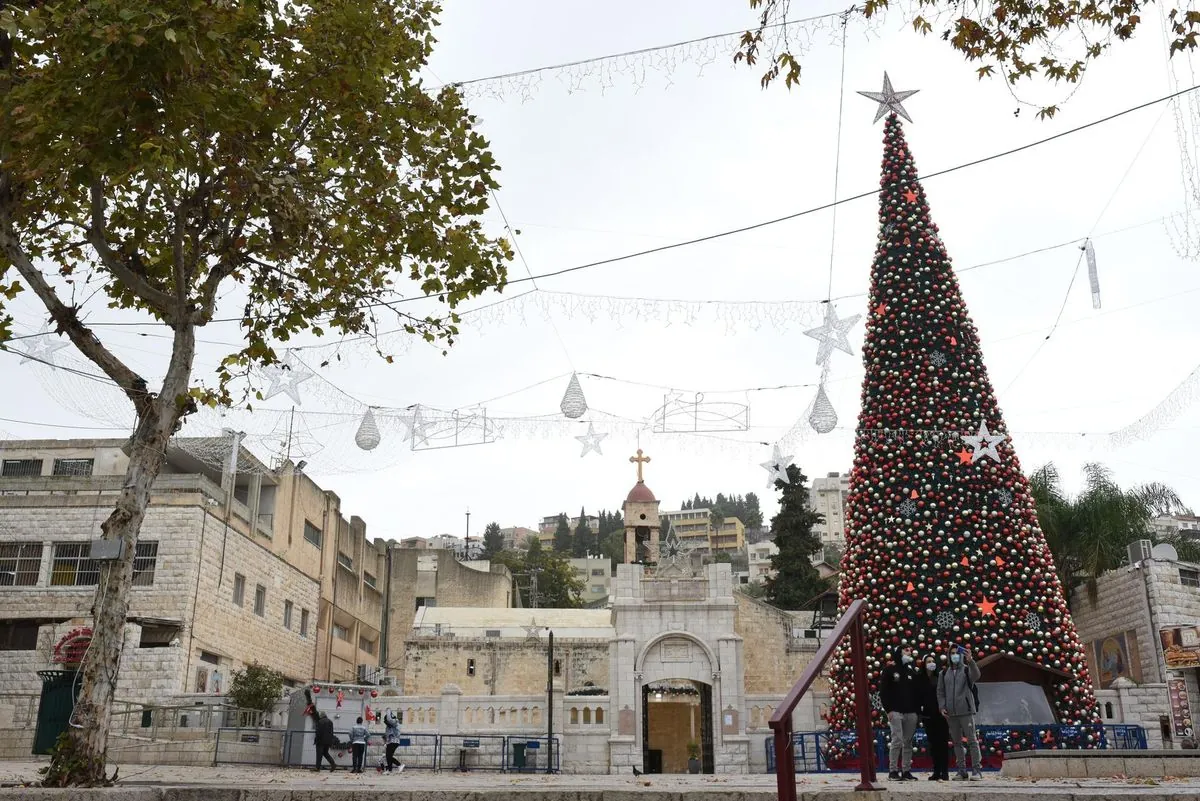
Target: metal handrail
781,722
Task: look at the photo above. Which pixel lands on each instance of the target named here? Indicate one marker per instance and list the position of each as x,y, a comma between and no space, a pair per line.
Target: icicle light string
601,73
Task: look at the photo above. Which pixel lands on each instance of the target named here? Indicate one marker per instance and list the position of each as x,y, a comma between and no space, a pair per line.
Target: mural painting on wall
1181,647
1114,657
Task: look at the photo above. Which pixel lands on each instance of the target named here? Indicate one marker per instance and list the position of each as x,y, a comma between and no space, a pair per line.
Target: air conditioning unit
367,674
1140,551
389,681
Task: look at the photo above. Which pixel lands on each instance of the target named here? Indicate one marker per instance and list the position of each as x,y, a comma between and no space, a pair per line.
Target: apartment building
209,593
828,497
596,574
695,528
758,558
517,537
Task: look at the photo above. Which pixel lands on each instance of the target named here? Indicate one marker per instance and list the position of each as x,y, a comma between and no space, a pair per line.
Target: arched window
587,715
574,714
599,714
1108,712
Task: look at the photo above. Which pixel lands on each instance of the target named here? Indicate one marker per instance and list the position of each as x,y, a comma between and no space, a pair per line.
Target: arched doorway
677,719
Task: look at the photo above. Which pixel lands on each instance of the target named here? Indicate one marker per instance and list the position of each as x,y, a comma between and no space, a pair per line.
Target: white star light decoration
777,467
591,441
418,429
984,443
890,100
286,378
41,348
832,334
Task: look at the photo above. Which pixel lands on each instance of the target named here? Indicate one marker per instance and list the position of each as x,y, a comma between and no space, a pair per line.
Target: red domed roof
640,494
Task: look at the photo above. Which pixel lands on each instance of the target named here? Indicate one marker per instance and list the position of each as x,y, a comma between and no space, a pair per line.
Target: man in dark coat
937,729
900,694
325,741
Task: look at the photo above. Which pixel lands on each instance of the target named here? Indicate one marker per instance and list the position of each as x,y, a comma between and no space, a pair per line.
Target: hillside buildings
828,497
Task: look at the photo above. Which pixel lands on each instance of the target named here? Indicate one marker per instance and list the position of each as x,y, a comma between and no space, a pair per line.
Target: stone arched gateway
676,670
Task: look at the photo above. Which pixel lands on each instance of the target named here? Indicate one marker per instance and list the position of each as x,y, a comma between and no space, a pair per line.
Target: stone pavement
256,783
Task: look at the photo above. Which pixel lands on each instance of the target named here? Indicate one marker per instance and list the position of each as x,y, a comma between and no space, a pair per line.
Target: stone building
828,497
209,593
1142,636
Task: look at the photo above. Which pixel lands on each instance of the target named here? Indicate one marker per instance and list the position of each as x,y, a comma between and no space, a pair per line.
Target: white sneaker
976,776
400,769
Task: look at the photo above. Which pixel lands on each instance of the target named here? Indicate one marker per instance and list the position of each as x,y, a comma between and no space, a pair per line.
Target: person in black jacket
325,741
900,694
937,730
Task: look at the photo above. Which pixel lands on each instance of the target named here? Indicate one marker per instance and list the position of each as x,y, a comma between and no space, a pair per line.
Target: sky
614,157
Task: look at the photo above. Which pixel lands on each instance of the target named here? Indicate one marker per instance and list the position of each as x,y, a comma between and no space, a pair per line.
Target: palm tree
1089,533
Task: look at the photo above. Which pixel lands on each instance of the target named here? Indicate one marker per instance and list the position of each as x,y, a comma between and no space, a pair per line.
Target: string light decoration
591,441
680,416
573,405
985,570
286,378
821,415
637,68
43,346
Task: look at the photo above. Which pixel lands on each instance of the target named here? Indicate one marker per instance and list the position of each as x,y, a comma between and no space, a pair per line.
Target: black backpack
974,693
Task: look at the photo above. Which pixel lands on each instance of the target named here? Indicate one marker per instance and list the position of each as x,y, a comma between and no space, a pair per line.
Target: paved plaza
248,783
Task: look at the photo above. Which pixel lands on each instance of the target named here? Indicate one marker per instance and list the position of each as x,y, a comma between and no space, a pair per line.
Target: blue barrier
837,751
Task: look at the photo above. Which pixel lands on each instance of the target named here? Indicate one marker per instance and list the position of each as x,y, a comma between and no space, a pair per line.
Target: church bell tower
642,524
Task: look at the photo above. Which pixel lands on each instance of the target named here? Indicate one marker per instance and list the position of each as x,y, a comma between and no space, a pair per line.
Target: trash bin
518,756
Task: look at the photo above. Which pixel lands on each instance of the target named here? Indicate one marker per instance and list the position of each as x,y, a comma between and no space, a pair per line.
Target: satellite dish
1165,551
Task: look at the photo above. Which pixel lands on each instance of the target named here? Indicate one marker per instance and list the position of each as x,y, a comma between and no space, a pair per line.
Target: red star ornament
910,196
881,308
987,607
964,456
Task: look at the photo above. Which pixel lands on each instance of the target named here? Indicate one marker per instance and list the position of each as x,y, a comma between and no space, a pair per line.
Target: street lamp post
550,703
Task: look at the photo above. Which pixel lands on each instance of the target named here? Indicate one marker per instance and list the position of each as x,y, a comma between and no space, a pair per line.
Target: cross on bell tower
642,525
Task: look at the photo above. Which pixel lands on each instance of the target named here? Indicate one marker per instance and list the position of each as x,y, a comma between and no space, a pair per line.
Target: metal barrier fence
467,752
837,751
459,752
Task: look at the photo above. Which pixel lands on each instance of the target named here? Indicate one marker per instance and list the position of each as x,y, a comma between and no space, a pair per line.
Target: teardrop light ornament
823,417
368,437
573,405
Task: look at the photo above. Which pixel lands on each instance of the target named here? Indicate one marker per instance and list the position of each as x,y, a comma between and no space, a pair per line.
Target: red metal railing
850,624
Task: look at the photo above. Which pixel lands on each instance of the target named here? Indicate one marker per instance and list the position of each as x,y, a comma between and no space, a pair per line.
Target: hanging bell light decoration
367,437
573,405
822,417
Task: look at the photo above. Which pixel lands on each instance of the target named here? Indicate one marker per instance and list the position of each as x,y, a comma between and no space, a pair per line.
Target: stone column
448,709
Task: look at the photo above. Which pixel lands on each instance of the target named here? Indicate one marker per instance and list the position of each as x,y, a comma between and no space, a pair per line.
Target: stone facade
1135,603
500,667
185,608
772,658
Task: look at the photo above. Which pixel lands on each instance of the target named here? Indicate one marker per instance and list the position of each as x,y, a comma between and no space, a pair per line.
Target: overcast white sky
588,176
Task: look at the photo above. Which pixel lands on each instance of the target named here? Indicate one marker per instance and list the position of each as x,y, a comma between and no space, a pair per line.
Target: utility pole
467,542
550,703
533,588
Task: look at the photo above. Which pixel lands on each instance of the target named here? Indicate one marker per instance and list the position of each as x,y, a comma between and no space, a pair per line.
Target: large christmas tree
942,534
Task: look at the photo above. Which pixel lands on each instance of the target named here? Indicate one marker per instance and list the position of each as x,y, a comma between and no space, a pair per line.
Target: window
341,632
368,579
21,468
72,467
20,564
426,602
212,659
345,561
239,589
365,645
303,622
470,667
144,558
287,615
18,635
557,667
158,636
1189,578
260,600
312,533
598,571
72,567
597,588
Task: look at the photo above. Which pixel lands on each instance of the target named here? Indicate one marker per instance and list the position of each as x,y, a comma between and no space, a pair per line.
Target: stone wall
1120,607
500,667
772,663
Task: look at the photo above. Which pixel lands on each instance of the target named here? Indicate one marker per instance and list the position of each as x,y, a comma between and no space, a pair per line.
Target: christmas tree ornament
889,100
979,574
418,429
831,334
823,417
41,348
591,441
984,443
367,437
777,467
1093,274
573,405
286,378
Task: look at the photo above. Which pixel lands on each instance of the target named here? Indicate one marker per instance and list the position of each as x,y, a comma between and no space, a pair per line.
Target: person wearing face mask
956,700
900,695
937,729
